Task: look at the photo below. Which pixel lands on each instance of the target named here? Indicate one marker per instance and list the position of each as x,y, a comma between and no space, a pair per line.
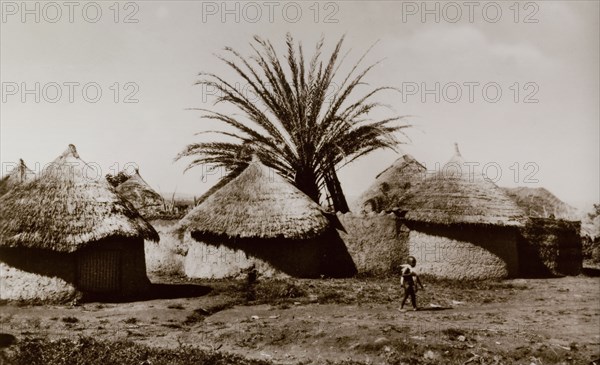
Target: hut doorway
99,271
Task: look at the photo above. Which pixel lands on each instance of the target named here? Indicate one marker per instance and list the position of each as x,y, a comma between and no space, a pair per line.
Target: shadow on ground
155,291
591,271
433,309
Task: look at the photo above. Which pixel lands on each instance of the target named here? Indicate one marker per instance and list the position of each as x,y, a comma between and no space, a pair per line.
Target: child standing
407,280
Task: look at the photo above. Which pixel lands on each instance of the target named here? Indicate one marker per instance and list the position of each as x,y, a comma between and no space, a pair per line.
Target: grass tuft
70,319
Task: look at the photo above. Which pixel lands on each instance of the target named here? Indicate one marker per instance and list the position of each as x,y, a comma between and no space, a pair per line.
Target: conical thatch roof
258,203
539,202
591,227
390,185
454,196
66,208
222,182
145,199
19,175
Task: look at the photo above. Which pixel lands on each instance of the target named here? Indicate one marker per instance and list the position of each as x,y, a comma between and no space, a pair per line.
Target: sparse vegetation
376,290
70,319
199,314
176,306
131,320
277,291
6,319
331,297
173,325
196,317
89,351
342,318
33,323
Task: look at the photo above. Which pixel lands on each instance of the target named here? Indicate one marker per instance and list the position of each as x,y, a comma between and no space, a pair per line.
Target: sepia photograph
310,182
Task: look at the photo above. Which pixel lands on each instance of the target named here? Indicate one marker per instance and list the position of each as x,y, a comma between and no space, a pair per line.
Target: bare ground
539,321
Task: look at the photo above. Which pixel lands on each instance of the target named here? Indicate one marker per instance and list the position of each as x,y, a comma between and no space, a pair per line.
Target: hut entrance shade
66,208
459,194
258,203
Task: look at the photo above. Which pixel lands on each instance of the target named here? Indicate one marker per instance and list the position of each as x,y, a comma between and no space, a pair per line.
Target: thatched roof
390,186
17,176
66,208
222,182
455,196
591,227
539,202
145,199
258,203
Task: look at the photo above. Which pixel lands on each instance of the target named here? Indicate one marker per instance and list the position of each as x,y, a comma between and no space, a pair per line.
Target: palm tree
293,127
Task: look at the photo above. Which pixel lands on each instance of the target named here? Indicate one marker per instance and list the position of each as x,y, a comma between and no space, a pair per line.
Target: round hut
260,219
551,238
390,186
541,203
461,224
19,175
138,192
68,233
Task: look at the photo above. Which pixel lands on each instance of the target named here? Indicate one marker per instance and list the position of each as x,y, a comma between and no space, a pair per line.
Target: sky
516,86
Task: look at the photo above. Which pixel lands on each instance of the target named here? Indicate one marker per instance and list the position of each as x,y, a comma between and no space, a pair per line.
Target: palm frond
292,126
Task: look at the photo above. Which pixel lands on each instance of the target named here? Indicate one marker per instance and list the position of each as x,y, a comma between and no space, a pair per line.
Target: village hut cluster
457,218
448,220
462,225
63,235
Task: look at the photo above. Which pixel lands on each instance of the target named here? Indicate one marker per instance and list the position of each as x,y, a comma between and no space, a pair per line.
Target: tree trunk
335,191
306,181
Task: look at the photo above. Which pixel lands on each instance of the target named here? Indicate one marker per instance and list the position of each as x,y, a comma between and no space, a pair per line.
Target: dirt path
553,319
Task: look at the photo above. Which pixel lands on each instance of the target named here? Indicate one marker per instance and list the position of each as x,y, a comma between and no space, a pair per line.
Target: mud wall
214,257
213,261
550,247
464,251
37,275
52,277
377,243
211,258
168,255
